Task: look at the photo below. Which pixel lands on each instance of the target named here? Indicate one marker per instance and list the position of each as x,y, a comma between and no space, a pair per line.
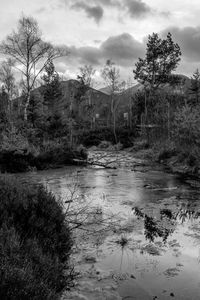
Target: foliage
27,49
95,137
165,150
36,114
19,151
52,87
162,57
194,90
86,74
35,243
55,153
187,126
7,78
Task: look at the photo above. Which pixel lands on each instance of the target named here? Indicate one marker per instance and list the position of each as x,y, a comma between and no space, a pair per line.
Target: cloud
123,49
95,12
137,8
41,10
188,39
84,55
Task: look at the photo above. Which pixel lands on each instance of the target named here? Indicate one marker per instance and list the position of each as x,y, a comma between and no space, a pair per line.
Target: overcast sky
97,30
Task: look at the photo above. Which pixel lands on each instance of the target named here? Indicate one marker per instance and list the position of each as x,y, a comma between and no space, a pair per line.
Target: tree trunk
26,105
114,126
168,119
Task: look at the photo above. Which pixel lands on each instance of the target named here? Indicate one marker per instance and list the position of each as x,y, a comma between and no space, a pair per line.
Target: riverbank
183,161
185,164
54,155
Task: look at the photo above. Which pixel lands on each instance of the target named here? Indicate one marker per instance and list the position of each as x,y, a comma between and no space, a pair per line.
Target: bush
104,145
58,153
140,144
95,137
19,155
187,126
35,243
165,151
189,157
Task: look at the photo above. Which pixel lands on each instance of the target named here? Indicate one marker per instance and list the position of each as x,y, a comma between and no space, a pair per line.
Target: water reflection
165,225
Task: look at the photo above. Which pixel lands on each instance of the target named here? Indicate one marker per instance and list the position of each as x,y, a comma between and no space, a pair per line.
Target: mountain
96,104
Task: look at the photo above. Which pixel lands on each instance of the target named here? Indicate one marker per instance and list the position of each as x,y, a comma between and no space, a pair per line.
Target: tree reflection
164,226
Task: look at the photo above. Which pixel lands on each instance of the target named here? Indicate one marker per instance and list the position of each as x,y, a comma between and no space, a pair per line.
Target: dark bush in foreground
13,161
35,243
51,154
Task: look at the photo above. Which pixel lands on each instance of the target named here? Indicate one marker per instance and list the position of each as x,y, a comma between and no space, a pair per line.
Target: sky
97,30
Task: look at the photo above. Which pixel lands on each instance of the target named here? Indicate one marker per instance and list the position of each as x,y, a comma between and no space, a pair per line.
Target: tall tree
162,57
52,86
111,75
84,91
30,53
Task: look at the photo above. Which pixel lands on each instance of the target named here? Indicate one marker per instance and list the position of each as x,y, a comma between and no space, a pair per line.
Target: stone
90,258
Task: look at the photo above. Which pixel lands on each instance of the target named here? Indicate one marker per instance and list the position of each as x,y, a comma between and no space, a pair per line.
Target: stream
151,246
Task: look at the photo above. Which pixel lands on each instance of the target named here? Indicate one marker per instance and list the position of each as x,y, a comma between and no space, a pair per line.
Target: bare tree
30,53
85,89
111,75
86,73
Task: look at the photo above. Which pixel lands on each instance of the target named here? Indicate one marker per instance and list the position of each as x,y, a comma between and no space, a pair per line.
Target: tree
4,104
30,53
84,91
162,57
52,92
194,89
8,80
111,75
86,74
52,86
35,110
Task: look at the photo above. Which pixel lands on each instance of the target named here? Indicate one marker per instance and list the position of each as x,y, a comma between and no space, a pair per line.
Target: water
161,249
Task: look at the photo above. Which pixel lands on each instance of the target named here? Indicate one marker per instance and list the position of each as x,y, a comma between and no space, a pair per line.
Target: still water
158,243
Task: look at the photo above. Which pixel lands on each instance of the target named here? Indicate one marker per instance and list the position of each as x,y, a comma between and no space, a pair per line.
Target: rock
151,249
172,272
90,258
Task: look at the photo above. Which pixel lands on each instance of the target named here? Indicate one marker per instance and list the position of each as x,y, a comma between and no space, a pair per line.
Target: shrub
55,153
35,243
95,137
165,151
187,126
104,145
